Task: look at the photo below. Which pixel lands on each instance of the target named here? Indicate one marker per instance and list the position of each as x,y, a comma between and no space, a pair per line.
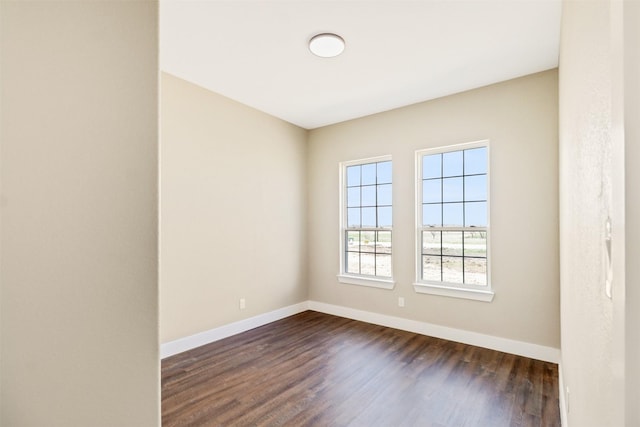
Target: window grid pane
368,252
452,271
353,262
353,176
432,268
448,250
369,207
462,195
369,195
454,195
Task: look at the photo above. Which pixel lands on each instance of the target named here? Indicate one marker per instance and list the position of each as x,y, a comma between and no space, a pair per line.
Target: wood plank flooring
314,369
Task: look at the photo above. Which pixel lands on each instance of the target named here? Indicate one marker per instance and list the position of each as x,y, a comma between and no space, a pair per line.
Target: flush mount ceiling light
326,45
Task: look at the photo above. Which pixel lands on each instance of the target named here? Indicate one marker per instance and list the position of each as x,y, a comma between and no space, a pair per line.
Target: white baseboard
520,348
564,422
187,343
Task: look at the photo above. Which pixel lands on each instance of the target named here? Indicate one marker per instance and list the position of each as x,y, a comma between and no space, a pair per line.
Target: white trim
187,343
342,170
455,147
520,348
483,293
375,159
564,421
450,291
363,281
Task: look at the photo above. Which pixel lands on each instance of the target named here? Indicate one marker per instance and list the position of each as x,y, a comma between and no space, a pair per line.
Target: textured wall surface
79,165
585,203
233,206
519,117
632,198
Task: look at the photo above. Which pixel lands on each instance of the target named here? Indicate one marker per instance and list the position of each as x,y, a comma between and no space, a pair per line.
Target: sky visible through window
369,219
454,202
369,194
454,189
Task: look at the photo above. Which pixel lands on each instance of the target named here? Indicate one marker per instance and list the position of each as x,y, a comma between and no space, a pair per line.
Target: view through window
368,218
453,203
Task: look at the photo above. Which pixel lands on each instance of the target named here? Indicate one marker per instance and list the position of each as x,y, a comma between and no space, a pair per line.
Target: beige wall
1,137
591,189
78,265
233,206
519,117
632,214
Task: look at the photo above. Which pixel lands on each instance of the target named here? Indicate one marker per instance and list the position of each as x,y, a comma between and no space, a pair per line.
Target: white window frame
457,290
360,279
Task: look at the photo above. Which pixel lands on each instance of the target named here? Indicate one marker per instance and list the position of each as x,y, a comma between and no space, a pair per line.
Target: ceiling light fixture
326,45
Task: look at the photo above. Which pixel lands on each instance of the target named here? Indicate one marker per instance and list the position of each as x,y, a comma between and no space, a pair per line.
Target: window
453,221
366,222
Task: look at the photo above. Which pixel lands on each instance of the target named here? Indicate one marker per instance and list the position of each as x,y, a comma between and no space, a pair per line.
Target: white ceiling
397,52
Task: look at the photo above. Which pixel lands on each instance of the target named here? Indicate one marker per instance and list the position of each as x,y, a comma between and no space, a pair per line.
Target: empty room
319,213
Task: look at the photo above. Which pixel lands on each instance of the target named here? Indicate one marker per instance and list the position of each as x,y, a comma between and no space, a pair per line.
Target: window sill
448,291
365,281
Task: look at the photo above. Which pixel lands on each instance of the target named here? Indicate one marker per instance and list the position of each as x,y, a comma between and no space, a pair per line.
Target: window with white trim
366,222
453,221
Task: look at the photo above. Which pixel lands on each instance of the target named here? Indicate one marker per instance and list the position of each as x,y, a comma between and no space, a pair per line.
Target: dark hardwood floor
314,369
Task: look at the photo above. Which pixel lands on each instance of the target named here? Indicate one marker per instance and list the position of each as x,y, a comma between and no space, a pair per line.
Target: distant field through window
367,217
369,253
452,207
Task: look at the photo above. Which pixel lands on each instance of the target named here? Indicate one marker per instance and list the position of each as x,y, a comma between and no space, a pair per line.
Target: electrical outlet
243,304
400,301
